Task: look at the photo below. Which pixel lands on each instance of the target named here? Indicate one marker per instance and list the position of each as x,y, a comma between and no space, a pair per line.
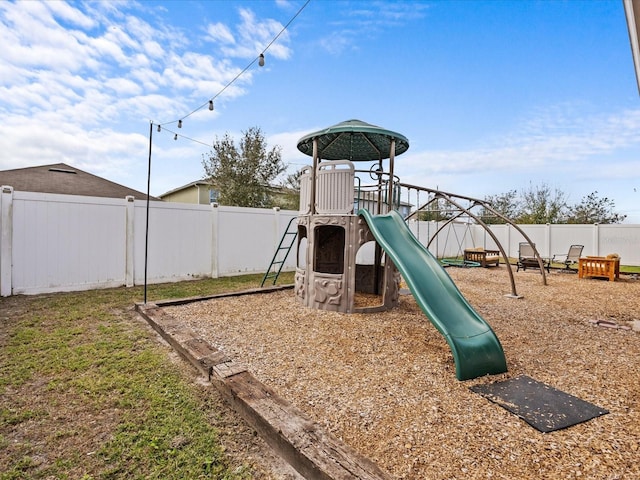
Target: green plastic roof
353,140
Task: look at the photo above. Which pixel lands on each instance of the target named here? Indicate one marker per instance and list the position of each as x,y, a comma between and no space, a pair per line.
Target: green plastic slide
475,347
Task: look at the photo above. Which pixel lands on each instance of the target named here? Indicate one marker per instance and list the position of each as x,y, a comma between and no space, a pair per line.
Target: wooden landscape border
315,454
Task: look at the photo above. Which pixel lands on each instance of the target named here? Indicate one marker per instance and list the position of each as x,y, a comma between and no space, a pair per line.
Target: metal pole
146,234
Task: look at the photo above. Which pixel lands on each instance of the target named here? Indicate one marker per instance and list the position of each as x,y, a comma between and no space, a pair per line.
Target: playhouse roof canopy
353,140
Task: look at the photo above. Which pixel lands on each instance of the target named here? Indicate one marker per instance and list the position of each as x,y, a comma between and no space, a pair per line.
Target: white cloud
289,143
72,15
338,42
350,26
548,142
255,36
219,32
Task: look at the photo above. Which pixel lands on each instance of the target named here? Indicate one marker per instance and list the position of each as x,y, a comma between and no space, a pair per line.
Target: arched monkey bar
453,199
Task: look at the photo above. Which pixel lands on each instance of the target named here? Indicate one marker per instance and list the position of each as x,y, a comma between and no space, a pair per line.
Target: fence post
129,240
6,239
215,243
547,231
276,228
596,239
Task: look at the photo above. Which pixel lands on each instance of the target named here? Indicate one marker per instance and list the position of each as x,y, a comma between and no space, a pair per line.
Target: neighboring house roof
188,185
206,183
64,179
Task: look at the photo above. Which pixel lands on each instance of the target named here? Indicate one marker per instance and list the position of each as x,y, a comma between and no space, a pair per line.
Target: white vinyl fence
549,240
54,243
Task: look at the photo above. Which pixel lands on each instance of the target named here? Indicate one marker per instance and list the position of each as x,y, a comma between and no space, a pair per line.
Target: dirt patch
385,383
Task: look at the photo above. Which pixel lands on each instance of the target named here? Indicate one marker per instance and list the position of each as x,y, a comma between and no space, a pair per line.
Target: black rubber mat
541,406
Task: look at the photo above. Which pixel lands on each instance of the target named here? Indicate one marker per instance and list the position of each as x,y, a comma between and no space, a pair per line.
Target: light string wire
176,135
209,101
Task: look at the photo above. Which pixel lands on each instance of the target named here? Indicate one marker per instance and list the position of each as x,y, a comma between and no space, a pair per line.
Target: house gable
198,192
63,179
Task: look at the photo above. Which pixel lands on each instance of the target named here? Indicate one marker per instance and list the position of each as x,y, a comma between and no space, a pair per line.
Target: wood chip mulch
385,383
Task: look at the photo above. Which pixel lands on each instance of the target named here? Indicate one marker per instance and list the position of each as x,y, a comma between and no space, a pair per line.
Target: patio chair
570,258
527,257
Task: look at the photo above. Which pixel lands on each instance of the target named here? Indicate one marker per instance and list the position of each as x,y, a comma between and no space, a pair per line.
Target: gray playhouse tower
337,256
354,247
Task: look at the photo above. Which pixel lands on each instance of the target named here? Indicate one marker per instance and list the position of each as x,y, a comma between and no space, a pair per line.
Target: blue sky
492,95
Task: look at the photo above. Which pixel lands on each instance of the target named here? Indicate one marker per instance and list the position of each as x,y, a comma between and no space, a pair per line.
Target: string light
175,137
261,61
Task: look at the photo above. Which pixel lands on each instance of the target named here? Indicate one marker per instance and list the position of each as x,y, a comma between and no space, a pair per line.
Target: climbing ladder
281,254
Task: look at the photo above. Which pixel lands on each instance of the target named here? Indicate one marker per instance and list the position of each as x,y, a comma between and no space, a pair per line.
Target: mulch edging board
314,453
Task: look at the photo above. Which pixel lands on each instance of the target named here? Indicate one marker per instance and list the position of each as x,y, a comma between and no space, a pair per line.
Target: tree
540,204
438,210
243,175
290,197
506,204
593,209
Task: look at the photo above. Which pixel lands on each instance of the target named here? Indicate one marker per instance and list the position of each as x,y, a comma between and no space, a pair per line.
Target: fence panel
248,238
66,243
449,242
180,241
621,239
563,236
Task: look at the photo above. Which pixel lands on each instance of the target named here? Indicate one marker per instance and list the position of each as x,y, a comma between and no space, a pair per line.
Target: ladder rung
281,246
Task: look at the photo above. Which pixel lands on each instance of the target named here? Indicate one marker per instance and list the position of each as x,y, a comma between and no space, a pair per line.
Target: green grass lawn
88,392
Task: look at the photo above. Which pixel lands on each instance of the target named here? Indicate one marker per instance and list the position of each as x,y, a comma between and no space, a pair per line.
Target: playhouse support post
313,176
392,154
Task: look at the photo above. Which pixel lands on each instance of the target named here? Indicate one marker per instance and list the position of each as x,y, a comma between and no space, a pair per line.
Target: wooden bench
603,267
485,258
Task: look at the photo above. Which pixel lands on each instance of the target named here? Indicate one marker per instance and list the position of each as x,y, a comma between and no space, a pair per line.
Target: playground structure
337,255
352,242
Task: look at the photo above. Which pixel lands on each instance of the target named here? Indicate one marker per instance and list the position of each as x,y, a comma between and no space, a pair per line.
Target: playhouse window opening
329,249
369,267
302,247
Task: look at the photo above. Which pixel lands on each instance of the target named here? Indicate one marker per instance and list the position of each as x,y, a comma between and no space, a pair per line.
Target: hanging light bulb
175,137
261,60
211,105
179,123
159,128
